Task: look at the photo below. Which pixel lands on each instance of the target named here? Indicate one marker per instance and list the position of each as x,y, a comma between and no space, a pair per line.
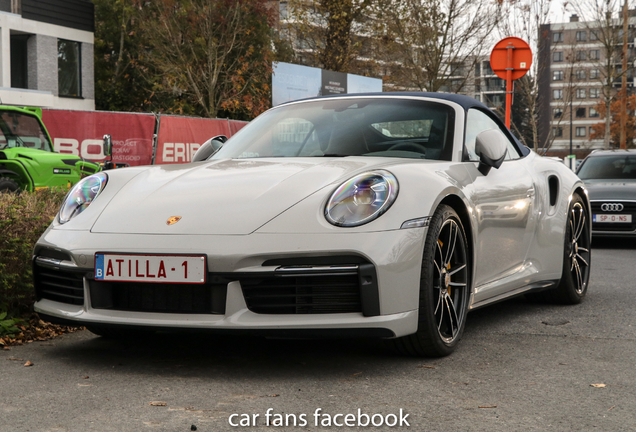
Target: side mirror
208,148
491,147
108,146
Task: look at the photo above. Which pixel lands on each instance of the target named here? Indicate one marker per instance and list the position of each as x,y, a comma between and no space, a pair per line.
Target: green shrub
23,218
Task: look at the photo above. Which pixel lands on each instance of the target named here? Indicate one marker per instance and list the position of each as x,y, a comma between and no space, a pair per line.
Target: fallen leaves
487,406
35,330
426,367
598,385
157,403
28,363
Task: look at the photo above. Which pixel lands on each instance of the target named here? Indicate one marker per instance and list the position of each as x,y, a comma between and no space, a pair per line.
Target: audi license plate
612,218
150,268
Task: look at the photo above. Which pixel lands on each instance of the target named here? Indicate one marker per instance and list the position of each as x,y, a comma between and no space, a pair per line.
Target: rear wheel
444,289
8,185
577,257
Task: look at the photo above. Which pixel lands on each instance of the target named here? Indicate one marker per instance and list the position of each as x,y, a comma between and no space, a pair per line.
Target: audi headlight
362,199
81,196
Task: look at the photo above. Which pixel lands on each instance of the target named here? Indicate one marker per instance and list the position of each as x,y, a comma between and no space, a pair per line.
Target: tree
615,121
121,80
326,28
431,42
213,54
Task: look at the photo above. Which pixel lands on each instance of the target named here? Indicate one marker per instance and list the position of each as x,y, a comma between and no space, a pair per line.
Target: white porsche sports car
386,215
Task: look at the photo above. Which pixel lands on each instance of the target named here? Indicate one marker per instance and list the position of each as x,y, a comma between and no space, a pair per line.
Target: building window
557,37
478,97
595,74
557,113
581,55
557,132
593,35
592,130
580,112
69,68
557,94
19,71
581,93
595,54
557,56
595,93
581,74
557,75
581,131
594,113
581,36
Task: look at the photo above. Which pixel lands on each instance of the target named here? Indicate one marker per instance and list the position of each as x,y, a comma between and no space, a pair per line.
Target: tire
444,289
8,185
577,257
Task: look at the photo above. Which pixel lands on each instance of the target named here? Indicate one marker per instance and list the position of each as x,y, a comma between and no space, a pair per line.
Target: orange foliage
615,125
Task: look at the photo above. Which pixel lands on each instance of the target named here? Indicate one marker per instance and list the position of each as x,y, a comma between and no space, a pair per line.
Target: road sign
510,59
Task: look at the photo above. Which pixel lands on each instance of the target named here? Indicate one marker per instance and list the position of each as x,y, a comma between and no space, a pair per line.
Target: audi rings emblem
606,207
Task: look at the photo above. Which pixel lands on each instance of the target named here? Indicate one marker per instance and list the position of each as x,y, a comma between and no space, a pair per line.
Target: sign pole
509,69
510,59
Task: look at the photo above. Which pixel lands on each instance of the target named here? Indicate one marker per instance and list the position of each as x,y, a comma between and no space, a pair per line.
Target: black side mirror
209,147
108,146
491,146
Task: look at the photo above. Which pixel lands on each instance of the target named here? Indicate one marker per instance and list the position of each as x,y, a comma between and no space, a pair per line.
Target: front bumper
394,255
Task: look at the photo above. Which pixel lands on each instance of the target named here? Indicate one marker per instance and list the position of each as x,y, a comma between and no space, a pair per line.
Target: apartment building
46,53
571,75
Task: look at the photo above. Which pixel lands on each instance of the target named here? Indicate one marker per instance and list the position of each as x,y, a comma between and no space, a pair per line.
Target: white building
46,53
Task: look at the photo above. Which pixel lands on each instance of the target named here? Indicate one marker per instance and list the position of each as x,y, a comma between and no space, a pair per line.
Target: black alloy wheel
444,289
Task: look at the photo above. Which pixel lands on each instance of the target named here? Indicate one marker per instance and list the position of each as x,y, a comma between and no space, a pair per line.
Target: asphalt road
521,366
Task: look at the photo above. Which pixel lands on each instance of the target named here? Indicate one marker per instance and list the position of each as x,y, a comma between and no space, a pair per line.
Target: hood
222,197
611,190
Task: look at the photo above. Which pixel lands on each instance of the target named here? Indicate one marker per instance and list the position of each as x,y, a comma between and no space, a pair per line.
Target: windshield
613,167
22,130
347,127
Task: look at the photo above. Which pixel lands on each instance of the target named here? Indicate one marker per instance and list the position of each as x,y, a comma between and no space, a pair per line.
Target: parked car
388,215
610,178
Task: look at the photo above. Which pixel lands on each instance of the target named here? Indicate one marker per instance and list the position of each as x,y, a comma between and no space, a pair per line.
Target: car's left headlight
81,196
362,199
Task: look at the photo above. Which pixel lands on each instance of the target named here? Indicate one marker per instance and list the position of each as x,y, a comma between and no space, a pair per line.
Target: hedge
23,219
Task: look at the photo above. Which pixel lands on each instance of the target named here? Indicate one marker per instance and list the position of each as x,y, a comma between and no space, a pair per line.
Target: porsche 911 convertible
386,215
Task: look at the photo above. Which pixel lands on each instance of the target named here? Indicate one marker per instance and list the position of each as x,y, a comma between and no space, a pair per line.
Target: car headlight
362,199
81,196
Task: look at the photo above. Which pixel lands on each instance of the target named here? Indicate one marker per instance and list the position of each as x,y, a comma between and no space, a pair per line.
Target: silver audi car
610,178
387,215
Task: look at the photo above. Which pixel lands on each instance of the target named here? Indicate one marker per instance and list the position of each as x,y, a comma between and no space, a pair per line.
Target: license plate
150,268
612,218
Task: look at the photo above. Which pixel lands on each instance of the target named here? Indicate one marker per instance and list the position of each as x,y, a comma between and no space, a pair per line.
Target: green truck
27,159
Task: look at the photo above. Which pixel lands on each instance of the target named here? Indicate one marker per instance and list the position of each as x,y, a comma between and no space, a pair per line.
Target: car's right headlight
81,196
362,199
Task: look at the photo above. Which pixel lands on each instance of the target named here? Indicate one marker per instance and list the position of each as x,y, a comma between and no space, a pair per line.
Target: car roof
464,101
611,152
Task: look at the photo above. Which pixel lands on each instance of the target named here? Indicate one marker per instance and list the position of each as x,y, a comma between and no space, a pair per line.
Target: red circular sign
521,57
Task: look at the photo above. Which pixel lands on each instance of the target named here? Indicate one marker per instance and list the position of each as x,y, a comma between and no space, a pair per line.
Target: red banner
81,133
180,137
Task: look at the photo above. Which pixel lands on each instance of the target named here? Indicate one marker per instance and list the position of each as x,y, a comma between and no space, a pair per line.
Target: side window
476,122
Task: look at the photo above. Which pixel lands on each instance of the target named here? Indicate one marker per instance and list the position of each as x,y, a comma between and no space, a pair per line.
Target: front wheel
444,289
577,257
8,185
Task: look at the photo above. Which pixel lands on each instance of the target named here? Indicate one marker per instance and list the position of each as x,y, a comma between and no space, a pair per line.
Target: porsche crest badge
173,220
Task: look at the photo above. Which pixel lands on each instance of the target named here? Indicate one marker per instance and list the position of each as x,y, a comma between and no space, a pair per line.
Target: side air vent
553,186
